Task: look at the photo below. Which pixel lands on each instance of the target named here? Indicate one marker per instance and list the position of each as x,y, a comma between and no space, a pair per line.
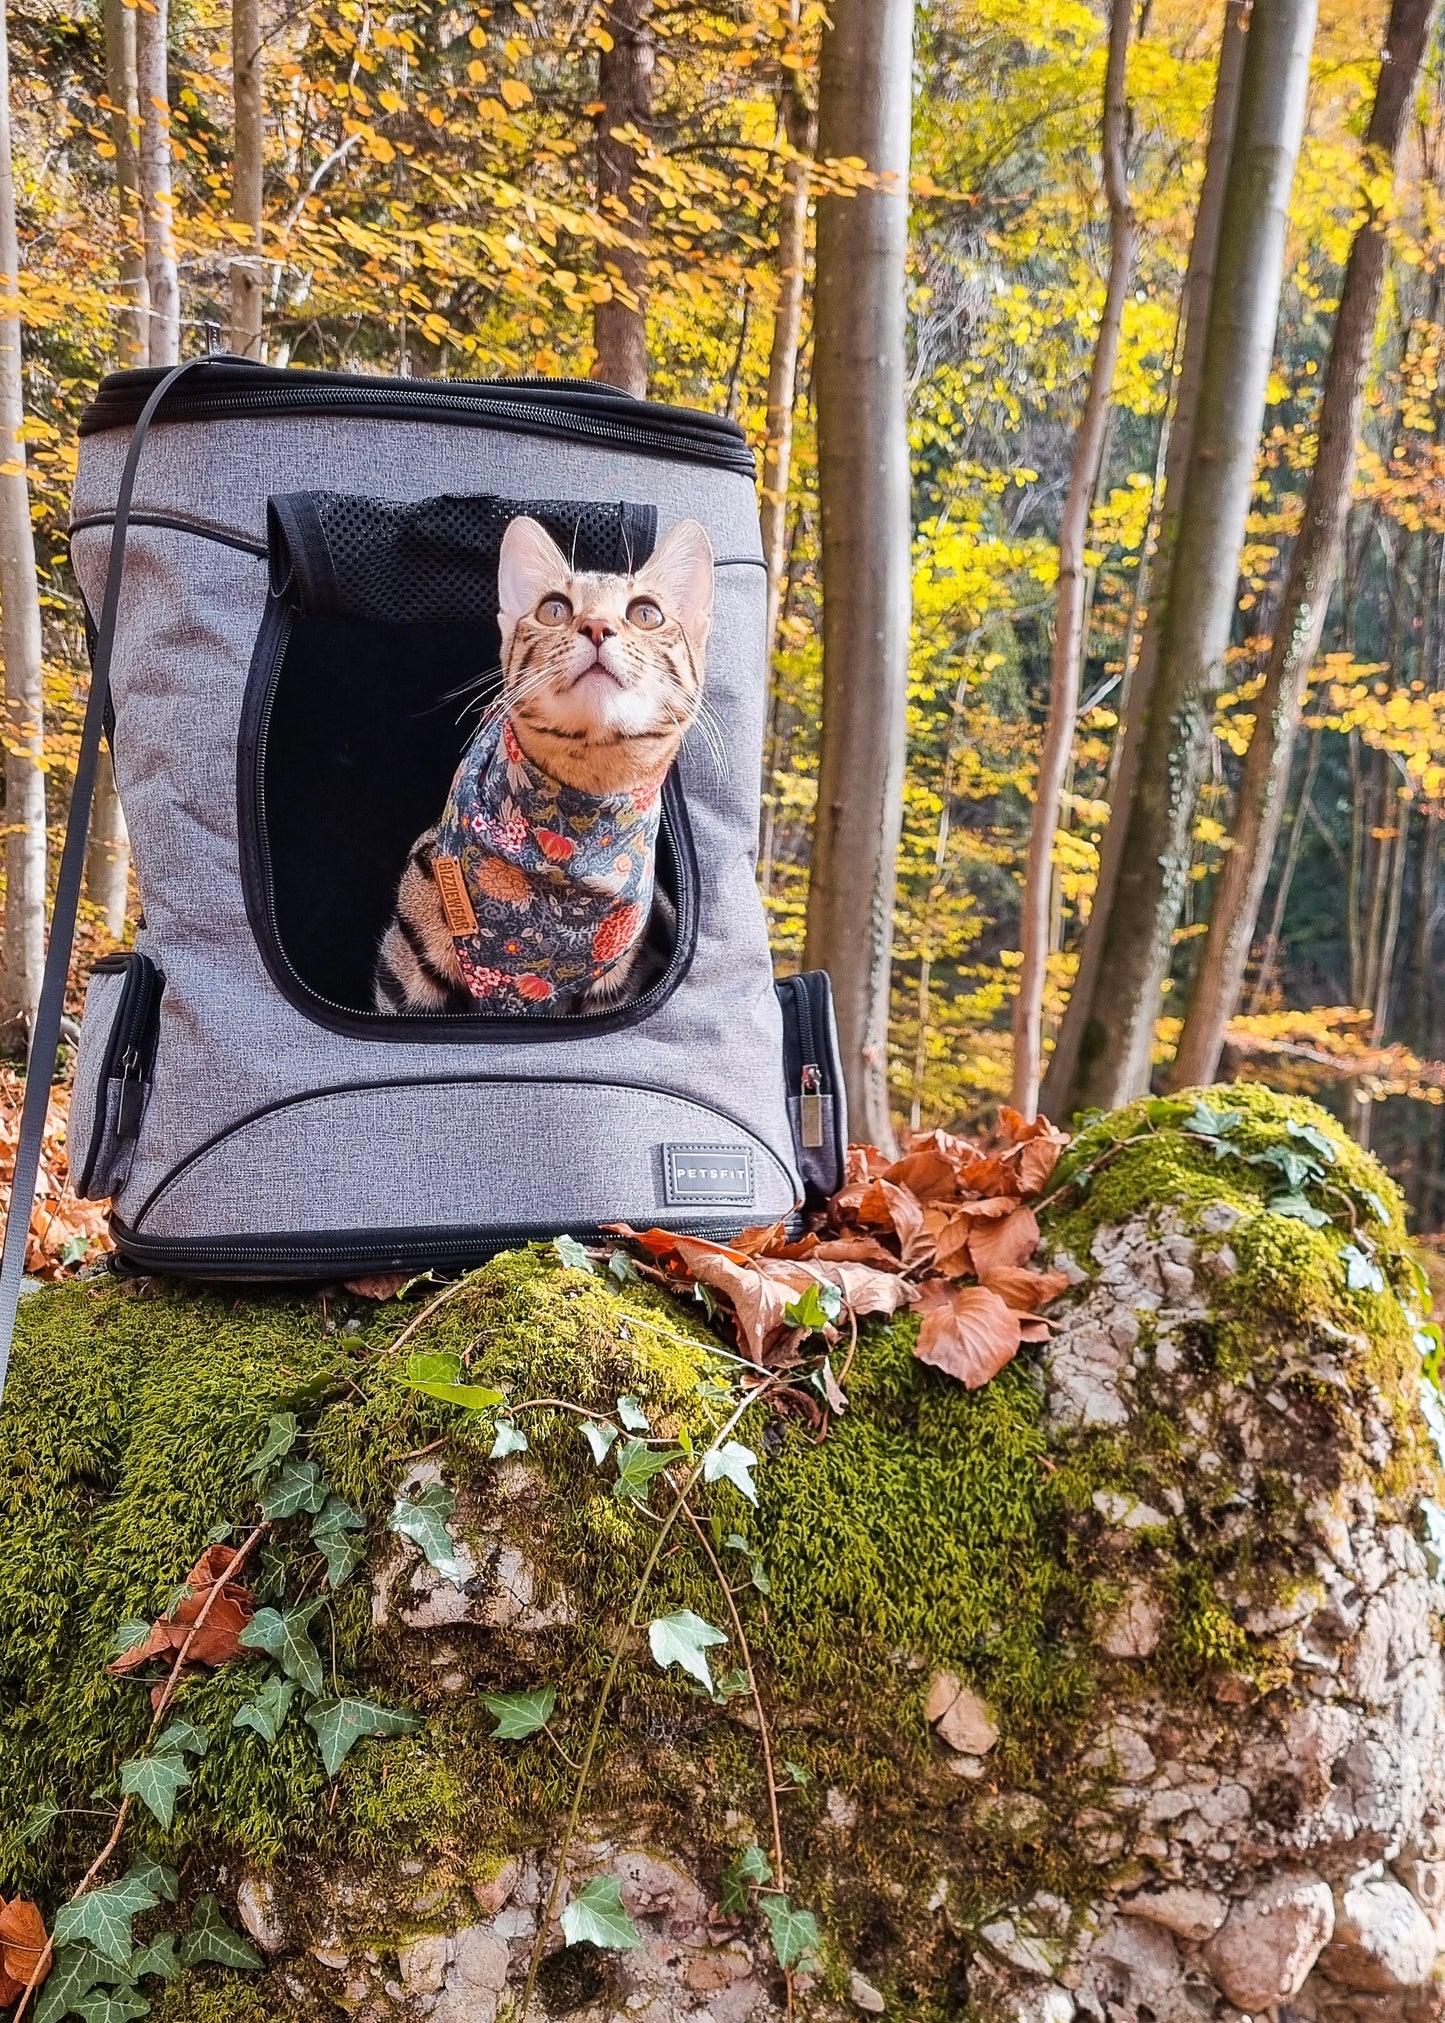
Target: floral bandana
546,888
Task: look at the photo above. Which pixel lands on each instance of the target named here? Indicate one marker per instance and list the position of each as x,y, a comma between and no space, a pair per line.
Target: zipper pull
810,1085
132,1092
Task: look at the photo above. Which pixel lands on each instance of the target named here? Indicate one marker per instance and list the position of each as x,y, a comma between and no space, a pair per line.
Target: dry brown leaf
1011,1241
862,1164
761,1239
987,1175
864,1289
925,1173
384,1285
10,1989
966,1331
1024,1290
950,1246
23,1938
1034,1328
218,1639
847,1250
885,1206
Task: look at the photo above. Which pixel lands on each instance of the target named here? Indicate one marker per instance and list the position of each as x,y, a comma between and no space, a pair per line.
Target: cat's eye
554,611
644,613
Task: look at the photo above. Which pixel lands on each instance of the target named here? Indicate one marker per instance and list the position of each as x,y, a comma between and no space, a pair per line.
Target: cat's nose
597,629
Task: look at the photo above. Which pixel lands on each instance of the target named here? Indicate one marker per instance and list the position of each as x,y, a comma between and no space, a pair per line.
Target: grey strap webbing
45,1033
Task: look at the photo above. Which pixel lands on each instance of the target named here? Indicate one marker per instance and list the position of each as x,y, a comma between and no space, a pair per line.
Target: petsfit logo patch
708,1175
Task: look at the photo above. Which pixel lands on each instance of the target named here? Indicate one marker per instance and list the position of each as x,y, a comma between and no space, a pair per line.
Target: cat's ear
529,565
680,569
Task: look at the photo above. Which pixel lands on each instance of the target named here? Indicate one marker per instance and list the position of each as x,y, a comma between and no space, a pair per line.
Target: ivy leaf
817,1307
101,1919
684,1639
1315,1139
731,1684
595,1915
117,2005
37,1822
570,1251
183,1735
732,1462
423,1519
1362,1274
442,1377
299,1486
329,1534
283,1634
282,1429
159,1957
750,1867
1373,1202
211,1938
599,1438
510,1440
340,1724
128,1637
267,1709
637,1463
1298,1168
150,1880
155,1781
520,1714
630,1412
798,1774
72,1975
621,1267
1207,1123
794,1933
1288,1202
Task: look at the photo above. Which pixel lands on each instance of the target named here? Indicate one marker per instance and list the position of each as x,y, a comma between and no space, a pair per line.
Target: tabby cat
535,891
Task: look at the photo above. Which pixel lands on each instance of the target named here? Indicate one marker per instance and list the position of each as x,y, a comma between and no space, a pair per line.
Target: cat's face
603,673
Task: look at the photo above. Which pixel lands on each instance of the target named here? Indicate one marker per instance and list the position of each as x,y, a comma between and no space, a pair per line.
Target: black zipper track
580,410
130,1047
348,1253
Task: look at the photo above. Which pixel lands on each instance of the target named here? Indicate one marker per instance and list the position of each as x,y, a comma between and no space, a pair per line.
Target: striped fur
600,695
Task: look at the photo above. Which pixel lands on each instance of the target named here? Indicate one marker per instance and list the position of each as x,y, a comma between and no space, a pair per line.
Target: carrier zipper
573,1026
555,407
129,1054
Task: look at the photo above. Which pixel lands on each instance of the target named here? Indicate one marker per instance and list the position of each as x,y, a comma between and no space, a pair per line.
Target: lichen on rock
1111,1688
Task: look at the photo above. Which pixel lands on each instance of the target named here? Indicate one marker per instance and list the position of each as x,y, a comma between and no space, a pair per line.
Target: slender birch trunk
1269,961
1300,620
121,89
799,126
248,274
1070,625
1080,1034
1200,600
157,200
624,88
22,957
860,378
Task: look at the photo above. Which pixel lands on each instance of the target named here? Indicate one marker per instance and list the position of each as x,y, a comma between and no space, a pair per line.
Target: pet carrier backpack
292,612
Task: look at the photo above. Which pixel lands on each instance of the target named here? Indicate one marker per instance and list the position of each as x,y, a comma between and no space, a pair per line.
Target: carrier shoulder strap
45,1032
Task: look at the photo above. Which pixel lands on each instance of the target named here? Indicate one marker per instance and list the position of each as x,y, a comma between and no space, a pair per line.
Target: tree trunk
1269,961
157,203
23,956
1427,921
107,852
121,89
248,276
1137,933
800,127
1070,624
1301,617
1077,1032
860,374
624,87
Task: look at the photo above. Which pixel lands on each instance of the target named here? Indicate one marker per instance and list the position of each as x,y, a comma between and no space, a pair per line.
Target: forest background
634,190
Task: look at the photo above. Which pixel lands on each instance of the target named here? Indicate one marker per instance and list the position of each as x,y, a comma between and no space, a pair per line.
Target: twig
430,1308
594,1734
238,1559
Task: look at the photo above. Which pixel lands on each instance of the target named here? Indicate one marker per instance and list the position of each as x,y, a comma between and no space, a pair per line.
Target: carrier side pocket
113,1071
813,1078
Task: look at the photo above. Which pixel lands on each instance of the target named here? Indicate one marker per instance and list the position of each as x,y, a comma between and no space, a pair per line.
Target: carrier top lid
582,410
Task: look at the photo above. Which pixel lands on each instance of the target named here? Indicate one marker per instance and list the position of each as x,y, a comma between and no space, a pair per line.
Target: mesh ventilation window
379,656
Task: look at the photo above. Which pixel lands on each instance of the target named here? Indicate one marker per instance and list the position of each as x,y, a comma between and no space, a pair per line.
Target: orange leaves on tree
218,1638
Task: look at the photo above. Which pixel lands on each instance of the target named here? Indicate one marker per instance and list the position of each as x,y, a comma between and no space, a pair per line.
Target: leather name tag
456,902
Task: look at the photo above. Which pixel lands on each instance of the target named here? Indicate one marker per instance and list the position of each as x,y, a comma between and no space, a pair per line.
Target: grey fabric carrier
306,629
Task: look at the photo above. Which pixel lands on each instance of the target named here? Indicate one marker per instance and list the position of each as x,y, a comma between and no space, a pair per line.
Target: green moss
206,1995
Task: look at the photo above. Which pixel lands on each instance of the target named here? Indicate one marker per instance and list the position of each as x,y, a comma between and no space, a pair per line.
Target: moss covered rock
1056,1677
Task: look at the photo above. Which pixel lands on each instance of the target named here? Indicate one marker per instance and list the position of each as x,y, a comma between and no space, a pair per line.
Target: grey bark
22,957
1137,930
248,274
1313,564
121,89
1060,1081
1070,622
157,200
859,372
800,127
107,852
624,89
